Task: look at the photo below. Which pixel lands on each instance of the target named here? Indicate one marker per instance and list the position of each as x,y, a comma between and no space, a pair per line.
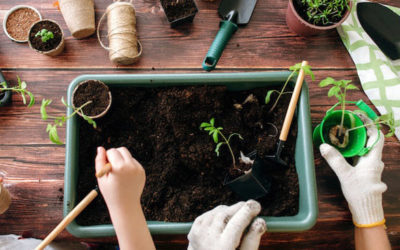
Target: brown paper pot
5,199
79,16
54,52
303,28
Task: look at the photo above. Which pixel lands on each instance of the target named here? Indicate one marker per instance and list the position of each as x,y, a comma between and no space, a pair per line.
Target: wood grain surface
33,168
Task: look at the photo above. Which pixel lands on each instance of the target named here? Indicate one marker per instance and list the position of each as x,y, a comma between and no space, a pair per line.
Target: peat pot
304,159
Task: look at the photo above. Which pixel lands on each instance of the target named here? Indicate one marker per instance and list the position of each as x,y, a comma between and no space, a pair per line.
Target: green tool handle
226,30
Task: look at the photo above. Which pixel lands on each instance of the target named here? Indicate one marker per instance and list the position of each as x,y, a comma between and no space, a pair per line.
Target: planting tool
75,212
233,13
256,184
382,25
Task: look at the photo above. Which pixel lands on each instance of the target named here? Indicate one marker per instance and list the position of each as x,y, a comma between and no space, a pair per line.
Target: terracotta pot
79,16
103,85
303,28
5,199
54,52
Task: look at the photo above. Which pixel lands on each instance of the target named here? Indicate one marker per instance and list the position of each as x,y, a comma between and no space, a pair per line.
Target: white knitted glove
222,228
361,185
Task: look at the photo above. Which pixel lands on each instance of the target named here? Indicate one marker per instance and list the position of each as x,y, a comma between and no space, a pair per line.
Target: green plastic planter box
308,207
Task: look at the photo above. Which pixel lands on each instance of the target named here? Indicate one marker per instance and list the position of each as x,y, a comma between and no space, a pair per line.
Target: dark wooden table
33,168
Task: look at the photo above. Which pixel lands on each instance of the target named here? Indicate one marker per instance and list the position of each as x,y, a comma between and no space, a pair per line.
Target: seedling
21,89
295,70
339,90
60,120
387,119
45,35
215,132
323,12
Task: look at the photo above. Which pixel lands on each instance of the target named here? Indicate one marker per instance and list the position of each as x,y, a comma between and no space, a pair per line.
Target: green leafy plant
60,120
325,12
215,132
295,70
387,119
21,89
45,35
339,90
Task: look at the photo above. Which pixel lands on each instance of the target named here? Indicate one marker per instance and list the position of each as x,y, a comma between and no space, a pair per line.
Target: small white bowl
9,13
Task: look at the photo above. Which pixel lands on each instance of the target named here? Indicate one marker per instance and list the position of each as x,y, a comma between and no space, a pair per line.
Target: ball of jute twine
124,47
5,199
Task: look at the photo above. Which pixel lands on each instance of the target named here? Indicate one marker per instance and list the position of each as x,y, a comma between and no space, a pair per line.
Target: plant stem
78,109
281,92
343,109
230,149
366,125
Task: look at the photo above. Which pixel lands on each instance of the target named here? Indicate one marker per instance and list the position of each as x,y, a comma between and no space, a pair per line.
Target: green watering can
357,137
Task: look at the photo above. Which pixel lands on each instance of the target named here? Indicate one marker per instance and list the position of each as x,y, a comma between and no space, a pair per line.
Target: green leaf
212,122
327,81
333,91
220,128
23,85
217,148
215,136
53,135
211,131
23,98
308,71
295,67
90,121
352,86
45,103
63,101
32,99
204,125
208,128
268,96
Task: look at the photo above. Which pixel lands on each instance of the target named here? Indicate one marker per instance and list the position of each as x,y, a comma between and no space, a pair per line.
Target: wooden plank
265,43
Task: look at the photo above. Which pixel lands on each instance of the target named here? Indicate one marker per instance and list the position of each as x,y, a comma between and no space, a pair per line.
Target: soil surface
50,44
302,11
93,91
177,9
19,22
184,177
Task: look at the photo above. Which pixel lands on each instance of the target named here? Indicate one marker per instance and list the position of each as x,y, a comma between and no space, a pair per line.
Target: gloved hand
361,185
222,228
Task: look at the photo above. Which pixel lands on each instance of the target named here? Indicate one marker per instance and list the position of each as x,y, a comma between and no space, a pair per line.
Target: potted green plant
343,128
91,100
311,17
5,92
46,37
179,11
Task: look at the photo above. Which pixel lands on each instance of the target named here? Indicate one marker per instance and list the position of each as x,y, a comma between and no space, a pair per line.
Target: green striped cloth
379,76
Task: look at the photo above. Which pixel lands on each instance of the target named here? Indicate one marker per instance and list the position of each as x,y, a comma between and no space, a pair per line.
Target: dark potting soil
93,91
302,11
184,177
177,9
51,43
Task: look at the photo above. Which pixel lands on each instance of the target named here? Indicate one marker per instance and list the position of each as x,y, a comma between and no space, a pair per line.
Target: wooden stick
70,217
106,169
293,104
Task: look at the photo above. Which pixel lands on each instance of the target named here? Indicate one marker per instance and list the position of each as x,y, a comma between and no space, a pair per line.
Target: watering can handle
293,103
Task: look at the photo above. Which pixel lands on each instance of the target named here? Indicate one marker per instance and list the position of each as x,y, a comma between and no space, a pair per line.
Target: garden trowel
382,25
233,13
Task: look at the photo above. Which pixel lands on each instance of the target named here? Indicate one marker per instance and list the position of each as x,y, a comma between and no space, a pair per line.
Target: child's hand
123,186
